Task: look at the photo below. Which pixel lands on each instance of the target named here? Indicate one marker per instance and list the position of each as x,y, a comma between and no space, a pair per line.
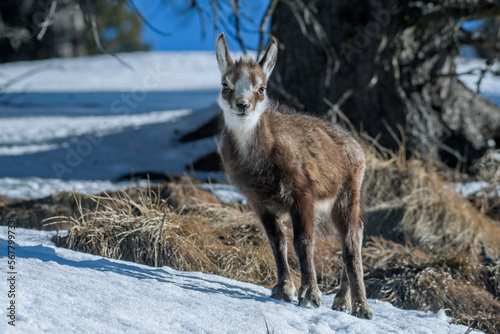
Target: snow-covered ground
62,291
85,123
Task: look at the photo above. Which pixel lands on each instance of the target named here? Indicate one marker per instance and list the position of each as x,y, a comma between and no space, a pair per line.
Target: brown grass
411,278
413,202
212,238
227,240
488,170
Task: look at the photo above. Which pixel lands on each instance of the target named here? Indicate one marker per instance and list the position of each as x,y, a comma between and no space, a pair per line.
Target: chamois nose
242,107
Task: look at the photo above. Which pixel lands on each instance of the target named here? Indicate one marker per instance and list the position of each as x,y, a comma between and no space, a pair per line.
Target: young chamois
284,162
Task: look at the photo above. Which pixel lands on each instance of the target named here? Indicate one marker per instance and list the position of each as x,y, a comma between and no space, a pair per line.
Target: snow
35,187
16,137
63,291
86,123
225,193
151,71
477,188
489,85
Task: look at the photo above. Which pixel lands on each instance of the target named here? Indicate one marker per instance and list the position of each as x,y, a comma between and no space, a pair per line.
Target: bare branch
194,6
335,107
236,10
481,77
467,38
335,111
263,25
91,18
466,9
28,74
305,16
130,4
48,20
291,98
469,72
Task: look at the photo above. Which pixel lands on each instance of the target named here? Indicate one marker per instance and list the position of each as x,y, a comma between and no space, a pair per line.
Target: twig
237,25
481,77
90,17
430,12
263,25
281,89
27,74
335,108
130,4
305,16
469,72
201,15
45,24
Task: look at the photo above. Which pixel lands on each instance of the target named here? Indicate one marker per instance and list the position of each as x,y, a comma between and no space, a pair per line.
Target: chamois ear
269,59
223,58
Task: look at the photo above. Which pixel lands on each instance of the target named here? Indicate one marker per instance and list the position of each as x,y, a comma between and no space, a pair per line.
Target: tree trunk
385,65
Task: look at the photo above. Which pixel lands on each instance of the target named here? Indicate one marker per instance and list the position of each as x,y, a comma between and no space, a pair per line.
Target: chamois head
243,93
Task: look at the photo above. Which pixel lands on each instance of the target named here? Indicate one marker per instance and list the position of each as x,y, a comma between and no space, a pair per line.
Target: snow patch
477,188
490,83
151,71
34,187
63,291
225,193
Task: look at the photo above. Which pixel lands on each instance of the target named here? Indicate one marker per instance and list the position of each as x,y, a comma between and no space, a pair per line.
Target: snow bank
91,119
34,187
225,193
62,291
151,71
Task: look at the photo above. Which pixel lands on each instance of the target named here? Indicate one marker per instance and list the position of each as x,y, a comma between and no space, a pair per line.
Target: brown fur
292,163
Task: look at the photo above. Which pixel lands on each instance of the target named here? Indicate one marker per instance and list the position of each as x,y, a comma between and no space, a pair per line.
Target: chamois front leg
284,289
303,231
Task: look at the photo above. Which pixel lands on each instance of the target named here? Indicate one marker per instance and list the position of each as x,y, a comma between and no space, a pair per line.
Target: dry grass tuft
211,238
409,201
488,171
410,278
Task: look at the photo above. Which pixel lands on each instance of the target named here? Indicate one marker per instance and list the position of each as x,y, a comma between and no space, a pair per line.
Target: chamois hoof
283,292
342,303
362,312
309,296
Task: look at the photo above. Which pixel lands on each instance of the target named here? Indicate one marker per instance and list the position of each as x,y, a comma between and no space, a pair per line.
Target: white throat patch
242,127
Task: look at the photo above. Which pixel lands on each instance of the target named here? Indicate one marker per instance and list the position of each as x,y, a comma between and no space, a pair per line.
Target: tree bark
388,66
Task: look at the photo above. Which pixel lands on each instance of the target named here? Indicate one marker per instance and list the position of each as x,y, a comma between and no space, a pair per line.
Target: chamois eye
225,86
262,89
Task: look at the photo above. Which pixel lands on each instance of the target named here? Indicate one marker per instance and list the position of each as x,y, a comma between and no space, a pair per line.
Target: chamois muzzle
242,107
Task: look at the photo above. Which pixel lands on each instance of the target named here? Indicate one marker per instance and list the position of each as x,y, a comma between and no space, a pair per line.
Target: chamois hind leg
347,217
303,220
284,289
342,301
